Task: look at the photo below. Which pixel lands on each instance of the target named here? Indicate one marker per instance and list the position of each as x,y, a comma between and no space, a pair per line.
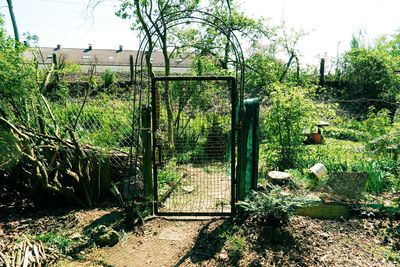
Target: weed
236,242
378,176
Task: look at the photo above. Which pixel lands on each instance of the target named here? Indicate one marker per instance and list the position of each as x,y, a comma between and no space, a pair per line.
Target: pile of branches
46,161
28,253
51,168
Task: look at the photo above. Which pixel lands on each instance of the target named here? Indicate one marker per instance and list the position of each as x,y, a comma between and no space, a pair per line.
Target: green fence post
248,158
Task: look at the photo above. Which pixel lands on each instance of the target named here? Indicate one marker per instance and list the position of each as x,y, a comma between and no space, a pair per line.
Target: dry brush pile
43,159
28,253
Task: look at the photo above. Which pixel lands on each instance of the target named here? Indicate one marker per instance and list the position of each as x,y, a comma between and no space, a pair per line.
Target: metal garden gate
194,163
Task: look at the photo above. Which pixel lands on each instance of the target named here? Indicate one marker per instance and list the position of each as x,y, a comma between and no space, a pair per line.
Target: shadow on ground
277,245
208,243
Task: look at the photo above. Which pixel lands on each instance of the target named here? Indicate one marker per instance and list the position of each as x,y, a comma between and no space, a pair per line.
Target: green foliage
236,242
17,79
108,78
263,72
340,133
391,44
370,73
377,123
269,208
379,174
168,177
104,122
290,112
57,91
61,242
215,145
9,152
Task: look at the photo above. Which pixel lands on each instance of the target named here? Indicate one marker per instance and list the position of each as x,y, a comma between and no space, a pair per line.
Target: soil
210,241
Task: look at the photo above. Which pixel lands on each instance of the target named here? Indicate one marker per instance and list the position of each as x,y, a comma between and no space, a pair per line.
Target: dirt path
204,188
305,242
166,242
163,243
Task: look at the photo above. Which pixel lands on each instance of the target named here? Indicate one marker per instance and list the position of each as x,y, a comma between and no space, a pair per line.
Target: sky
329,23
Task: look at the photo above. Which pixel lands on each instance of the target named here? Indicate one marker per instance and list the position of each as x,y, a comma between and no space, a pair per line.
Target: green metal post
248,157
147,158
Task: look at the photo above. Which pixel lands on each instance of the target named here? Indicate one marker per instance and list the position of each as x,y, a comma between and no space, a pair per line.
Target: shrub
290,112
377,123
370,73
17,80
379,173
108,77
344,134
268,208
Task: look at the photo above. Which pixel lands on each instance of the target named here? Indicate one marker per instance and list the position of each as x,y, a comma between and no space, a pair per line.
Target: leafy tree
209,41
263,71
154,18
391,45
370,73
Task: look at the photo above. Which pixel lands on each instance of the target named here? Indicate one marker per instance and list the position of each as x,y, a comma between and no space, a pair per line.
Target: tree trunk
287,67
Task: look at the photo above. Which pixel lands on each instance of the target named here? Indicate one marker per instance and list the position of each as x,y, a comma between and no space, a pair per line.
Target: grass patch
61,242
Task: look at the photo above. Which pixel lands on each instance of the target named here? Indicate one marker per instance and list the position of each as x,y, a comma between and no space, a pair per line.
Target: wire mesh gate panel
193,148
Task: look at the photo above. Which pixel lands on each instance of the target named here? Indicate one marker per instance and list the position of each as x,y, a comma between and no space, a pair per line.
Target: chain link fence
102,110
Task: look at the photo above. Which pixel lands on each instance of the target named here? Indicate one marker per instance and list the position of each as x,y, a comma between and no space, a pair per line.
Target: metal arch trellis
141,80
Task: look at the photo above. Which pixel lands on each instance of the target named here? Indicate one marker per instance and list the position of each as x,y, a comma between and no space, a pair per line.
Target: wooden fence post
131,69
322,72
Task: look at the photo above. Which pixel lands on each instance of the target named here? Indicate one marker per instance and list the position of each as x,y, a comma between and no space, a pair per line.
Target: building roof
100,57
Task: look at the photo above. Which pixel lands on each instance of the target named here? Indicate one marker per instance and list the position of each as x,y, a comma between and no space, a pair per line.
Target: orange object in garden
317,138
171,184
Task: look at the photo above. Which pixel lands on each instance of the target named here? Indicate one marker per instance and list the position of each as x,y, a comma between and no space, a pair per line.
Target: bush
370,73
17,80
269,208
379,174
108,77
344,134
291,111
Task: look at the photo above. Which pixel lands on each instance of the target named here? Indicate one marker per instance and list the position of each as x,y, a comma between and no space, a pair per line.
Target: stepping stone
279,178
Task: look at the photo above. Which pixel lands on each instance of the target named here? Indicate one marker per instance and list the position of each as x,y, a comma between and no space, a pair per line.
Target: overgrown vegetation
74,143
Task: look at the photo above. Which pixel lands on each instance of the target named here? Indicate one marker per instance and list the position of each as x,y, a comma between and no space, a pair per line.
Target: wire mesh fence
103,112
194,175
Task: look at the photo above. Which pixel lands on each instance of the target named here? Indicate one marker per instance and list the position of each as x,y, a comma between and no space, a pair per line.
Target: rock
109,239
188,188
223,256
74,236
104,236
279,178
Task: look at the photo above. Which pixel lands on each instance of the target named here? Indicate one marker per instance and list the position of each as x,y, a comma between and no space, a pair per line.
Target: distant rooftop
100,57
